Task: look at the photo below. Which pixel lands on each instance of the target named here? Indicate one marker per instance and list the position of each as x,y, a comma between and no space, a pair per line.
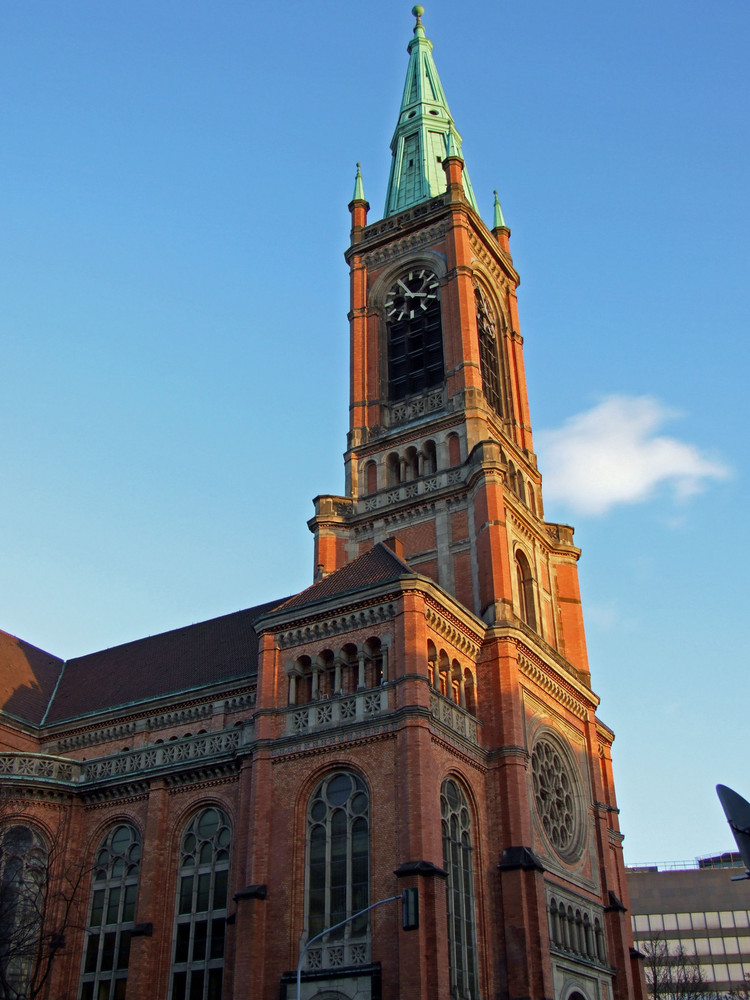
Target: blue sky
174,181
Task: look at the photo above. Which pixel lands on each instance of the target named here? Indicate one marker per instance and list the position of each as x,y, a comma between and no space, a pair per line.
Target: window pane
113,905
92,953
182,943
215,977
200,935
186,894
124,953
179,982
97,908
218,929
128,906
108,952
204,885
220,889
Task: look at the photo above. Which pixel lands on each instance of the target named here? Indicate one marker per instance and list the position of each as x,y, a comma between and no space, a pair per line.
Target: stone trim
313,629
451,628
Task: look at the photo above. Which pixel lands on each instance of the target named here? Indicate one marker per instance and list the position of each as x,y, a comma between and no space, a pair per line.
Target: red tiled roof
378,565
27,678
222,649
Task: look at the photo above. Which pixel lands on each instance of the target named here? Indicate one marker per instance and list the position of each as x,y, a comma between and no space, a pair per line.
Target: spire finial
359,188
417,11
499,220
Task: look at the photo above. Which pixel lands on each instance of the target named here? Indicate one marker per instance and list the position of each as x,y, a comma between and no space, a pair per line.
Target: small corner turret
359,207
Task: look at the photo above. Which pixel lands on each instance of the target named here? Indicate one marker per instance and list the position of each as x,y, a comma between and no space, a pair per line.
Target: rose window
554,794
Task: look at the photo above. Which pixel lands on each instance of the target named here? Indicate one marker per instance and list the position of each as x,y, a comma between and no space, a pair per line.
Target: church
183,817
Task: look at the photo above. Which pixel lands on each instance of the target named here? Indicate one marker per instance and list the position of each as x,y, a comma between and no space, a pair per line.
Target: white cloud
612,455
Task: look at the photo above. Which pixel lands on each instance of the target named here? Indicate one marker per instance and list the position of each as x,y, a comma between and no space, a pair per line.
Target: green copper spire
425,133
499,220
359,188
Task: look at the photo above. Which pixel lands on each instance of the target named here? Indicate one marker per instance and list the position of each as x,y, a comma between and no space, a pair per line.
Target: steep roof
378,565
425,133
184,659
40,688
28,677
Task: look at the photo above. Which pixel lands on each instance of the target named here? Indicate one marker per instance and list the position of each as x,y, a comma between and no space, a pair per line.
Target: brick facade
438,663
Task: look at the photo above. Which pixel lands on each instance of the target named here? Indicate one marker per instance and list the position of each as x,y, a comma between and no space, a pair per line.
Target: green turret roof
359,188
425,133
499,222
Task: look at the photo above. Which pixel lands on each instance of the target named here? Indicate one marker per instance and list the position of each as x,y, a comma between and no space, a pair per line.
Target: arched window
201,908
525,590
111,918
454,450
338,869
371,477
393,469
415,335
23,877
457,861
488,352
429,458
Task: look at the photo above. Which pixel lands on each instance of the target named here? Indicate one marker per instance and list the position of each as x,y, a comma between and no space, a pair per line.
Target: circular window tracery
555,796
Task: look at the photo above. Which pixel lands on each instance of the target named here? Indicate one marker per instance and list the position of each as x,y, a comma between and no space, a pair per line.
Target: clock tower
440,452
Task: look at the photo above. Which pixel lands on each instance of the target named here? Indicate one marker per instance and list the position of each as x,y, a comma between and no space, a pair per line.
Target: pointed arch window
23,878
201,909
338,869
525,583
111,917
457,861
415,334
488,352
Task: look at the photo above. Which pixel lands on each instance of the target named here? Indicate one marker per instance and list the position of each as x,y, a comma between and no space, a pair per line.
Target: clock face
412,295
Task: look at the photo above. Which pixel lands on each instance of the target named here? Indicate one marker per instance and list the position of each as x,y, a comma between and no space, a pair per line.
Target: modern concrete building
697,909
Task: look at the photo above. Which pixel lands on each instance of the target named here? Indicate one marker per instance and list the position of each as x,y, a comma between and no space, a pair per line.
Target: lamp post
341,923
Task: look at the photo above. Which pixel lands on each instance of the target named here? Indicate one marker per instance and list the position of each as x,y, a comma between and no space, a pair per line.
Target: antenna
737,811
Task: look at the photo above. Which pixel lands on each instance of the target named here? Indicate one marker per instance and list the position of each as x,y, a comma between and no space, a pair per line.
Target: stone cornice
417,239
496,262
452,628
364,614
574,697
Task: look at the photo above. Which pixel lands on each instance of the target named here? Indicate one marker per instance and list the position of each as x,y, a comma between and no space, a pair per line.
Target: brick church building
181,815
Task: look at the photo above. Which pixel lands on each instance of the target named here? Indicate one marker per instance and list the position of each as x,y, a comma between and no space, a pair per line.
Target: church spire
424,134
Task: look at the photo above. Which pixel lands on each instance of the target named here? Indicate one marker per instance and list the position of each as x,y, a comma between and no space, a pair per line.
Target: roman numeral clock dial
411,295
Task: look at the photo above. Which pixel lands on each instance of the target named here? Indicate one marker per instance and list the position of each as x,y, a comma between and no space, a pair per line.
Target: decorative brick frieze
452,628
397,248
335,738
314,629
92,736
564,694
454,717
423,405
409,491
181,718
39,767
482,254
339,711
